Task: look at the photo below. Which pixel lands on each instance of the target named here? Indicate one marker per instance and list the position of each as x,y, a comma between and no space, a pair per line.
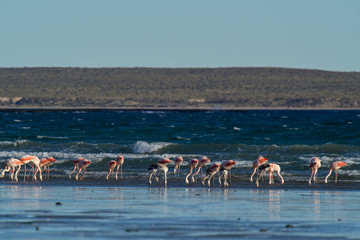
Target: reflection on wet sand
157,212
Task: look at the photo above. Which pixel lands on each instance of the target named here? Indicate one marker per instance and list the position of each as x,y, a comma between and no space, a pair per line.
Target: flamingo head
262,160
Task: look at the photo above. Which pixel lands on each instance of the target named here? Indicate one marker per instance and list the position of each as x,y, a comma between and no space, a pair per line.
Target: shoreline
174,184
93,109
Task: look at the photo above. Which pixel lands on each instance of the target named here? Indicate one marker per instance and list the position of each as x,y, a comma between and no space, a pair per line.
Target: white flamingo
203,161
335,166
157,168
119,163
192,163
210,172
315,163
111,165
256,164
271,168
80,164
225,167
178,161
10,165
45,164
34,162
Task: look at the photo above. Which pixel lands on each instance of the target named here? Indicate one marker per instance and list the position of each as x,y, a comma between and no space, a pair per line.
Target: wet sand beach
92,209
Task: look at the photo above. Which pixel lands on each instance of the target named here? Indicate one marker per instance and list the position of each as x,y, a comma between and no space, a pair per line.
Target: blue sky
314,34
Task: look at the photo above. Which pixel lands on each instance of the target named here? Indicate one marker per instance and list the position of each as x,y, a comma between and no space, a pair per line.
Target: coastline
209,108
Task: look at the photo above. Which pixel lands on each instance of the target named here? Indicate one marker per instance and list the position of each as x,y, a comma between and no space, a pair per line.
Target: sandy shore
178,108
91,209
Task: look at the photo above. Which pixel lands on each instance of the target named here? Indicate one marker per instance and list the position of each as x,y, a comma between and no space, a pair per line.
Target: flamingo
119,162
34,161
10,165
80,164
111,165
178,161
192,163
202,162
160,165
271,168
335,166
315,163
256,164
225,166
45,164
210,172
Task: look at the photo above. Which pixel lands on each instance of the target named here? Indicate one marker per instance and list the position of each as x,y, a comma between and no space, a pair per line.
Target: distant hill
214,88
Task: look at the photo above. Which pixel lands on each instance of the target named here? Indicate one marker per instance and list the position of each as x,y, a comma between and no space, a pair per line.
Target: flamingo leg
121,172
282,179
25,172
259,176
328,175
16,174
77,175
72,171
251,177
187,176
165,176
107,176
312,173
336,175
150,175
315,174
12,173
225,178
83,174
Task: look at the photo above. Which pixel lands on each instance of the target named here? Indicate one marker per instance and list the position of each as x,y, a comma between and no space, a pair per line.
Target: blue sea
286,137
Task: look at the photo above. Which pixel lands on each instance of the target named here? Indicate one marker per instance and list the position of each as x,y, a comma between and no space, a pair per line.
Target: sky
310,34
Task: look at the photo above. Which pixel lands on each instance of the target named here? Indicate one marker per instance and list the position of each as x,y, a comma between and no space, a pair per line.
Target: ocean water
289,138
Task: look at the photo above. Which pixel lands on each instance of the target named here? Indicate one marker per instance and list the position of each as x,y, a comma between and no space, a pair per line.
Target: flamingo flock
160,169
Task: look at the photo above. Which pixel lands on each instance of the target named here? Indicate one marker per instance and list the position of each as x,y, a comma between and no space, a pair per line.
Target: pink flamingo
335,166
10,165
256,164
111,165
80,164
34,161
271,168
178,161
315,163
210,172
160,165
225,166
192,163
203,161
45,164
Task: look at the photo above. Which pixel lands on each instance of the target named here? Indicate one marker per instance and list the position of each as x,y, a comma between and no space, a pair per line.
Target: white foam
145,147
51,137
10,143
